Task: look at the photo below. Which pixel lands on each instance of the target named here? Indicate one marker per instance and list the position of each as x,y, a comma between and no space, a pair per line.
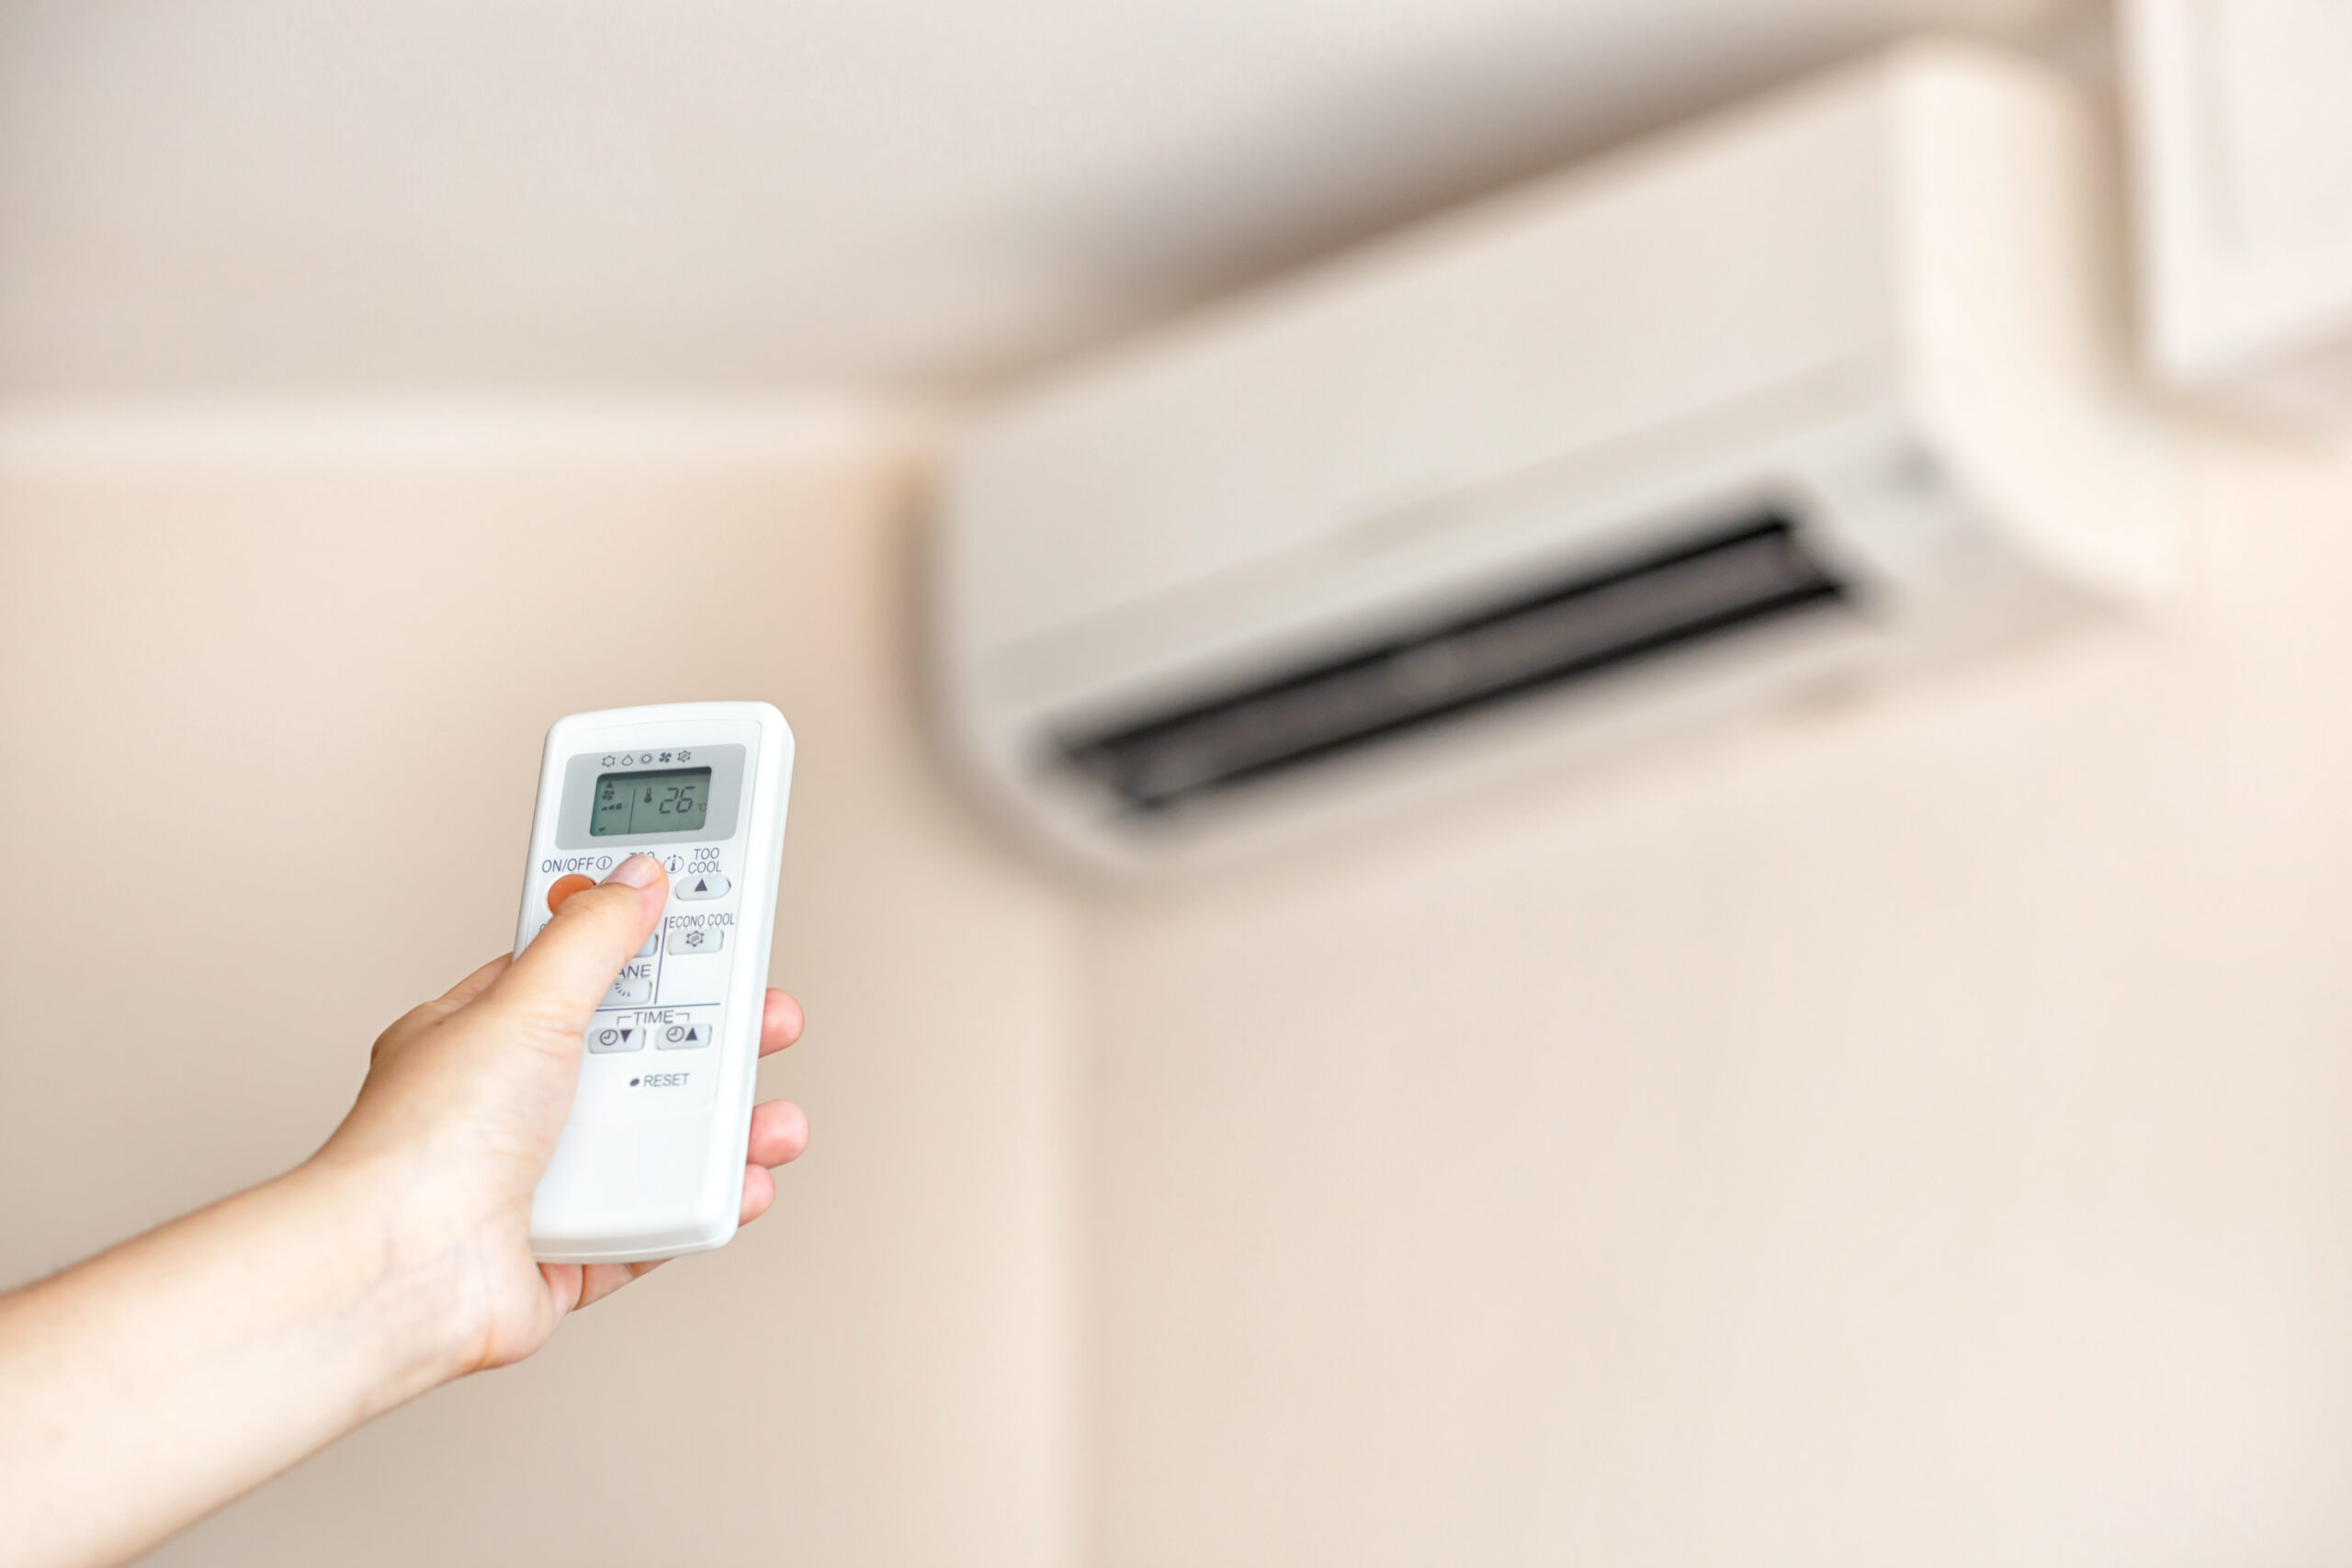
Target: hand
146,1386
466,1095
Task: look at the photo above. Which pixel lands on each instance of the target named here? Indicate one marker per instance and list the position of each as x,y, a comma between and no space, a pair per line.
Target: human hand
142,1388
466,1097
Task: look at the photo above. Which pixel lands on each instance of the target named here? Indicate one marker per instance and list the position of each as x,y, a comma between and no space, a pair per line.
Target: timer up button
701,885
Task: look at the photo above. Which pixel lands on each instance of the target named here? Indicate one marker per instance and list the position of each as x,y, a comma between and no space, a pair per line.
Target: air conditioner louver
1534,640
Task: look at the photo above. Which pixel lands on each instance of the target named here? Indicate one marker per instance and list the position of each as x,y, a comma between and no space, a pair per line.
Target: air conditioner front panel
1334,550
1617,303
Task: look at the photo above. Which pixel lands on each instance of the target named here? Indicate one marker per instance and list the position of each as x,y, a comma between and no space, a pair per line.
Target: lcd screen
673,801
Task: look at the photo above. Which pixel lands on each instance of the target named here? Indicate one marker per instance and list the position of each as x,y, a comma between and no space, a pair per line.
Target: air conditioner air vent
1541,639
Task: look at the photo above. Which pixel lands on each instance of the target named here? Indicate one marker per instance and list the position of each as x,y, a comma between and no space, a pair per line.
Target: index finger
780,1024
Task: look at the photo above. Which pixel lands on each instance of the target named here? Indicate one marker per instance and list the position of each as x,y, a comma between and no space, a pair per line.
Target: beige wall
1919,1134
230,676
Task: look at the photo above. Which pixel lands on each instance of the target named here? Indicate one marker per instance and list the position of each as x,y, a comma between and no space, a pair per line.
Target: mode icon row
665,1029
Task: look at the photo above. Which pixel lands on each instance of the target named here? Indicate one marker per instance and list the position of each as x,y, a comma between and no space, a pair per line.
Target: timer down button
616,1034
701,885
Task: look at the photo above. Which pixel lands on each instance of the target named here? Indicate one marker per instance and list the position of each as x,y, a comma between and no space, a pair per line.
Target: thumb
569,964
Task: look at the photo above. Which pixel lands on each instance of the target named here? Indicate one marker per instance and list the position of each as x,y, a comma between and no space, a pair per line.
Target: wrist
405,1255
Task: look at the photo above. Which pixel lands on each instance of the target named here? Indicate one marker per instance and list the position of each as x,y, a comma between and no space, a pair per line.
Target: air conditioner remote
651,1164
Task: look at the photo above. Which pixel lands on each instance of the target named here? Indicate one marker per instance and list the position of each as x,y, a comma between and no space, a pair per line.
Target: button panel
661,999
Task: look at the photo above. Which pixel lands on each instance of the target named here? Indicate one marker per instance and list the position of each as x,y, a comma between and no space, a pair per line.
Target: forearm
148,1386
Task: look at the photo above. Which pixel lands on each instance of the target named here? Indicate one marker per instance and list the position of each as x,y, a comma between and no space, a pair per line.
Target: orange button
565,886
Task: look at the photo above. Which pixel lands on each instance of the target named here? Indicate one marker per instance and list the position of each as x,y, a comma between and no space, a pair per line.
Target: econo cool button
698,938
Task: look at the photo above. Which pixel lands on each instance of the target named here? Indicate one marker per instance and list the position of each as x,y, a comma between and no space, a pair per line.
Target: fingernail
638,871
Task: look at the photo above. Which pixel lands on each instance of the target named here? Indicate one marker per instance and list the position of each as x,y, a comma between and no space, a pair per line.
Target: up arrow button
701,885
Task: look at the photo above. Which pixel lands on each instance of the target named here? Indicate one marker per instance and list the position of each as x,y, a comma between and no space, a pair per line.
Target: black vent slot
1536,640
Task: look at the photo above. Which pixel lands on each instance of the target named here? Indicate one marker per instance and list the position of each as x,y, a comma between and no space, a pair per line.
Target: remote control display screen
673,800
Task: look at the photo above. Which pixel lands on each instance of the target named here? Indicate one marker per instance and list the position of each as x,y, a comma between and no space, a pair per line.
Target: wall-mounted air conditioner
1825,387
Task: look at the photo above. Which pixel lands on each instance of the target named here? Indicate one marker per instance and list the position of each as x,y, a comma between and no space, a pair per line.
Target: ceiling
283,196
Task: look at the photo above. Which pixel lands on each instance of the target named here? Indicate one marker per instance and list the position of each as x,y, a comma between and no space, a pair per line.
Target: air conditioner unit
1828,386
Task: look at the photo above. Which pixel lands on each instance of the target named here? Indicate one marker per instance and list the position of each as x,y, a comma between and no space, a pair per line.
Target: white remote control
651,1162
